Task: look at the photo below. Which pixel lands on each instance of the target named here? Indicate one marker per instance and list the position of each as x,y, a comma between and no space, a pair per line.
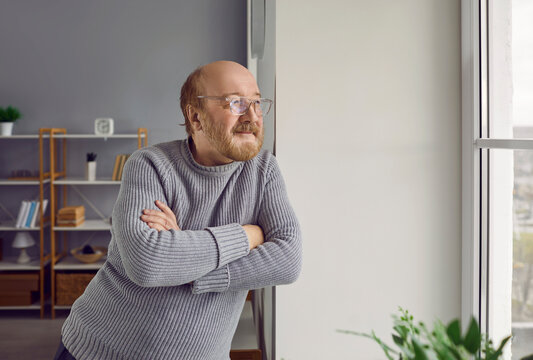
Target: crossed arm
166,220
275,245
222,258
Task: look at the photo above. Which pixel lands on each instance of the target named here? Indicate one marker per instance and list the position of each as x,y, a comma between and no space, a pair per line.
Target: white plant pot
7,128
91,170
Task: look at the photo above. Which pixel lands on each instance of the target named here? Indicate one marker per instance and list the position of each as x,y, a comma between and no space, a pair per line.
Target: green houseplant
417,342
7,117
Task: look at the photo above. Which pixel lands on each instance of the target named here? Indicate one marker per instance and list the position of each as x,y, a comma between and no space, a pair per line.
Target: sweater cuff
232,243
216,281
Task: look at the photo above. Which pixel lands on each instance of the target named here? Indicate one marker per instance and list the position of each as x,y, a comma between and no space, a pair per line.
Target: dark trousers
62,353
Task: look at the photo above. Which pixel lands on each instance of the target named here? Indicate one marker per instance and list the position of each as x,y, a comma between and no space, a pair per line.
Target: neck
204,154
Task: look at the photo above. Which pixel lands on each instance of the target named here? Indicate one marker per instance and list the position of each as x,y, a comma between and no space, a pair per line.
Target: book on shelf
116,167
25,208
71,222
18,222
29,213
71,216
37,216
71,212
120,160
120,166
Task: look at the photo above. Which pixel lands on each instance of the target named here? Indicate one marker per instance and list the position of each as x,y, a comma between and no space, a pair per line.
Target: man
197,223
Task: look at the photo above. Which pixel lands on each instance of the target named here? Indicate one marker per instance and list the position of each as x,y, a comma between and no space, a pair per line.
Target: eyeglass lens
239,106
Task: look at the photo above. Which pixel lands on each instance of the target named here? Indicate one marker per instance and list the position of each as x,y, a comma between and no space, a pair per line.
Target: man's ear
194,118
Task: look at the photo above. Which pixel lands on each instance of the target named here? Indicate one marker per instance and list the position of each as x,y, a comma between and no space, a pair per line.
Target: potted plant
417,342
7,117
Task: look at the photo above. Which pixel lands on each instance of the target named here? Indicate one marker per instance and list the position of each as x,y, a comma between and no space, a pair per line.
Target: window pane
522,288
510,36
510,295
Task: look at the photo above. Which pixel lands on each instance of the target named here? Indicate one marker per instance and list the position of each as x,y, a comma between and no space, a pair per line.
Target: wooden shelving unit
62,261
9,265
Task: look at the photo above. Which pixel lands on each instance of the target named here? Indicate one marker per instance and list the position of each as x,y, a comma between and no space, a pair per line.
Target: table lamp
22,241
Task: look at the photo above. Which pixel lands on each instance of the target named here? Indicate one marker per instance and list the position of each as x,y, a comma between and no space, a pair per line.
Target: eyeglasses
239,105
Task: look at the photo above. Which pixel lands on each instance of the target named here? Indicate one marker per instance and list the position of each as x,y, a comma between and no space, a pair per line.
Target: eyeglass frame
250,100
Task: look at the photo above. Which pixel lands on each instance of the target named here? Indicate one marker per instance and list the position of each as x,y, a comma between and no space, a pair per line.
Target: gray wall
65,63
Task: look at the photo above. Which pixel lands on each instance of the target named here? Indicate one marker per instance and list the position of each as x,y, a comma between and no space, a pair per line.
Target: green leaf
499,352
453,350
402,330
9,114
454,332
472,340
420,352
384,346
528,357
397,340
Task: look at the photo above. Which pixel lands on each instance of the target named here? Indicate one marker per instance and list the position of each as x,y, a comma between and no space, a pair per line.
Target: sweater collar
208,170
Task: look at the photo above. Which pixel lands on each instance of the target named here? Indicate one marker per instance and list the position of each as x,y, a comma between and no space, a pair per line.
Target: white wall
368,138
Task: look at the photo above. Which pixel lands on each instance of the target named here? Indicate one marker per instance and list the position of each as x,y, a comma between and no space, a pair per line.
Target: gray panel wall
65,63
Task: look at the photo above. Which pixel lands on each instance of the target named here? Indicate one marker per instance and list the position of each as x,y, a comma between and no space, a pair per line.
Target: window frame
476,148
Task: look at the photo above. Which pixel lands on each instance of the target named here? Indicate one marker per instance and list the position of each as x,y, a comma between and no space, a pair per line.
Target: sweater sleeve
277,261
165,258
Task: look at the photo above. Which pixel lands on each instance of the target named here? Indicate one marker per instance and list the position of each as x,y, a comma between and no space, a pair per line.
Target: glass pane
510,35
510,250
522,288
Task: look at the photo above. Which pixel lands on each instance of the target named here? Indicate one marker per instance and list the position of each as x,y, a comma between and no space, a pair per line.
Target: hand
160,220
255,235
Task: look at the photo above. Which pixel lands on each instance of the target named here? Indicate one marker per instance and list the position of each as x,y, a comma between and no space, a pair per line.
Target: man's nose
250,115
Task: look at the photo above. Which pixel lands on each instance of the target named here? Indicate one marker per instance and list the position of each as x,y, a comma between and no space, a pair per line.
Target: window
497,44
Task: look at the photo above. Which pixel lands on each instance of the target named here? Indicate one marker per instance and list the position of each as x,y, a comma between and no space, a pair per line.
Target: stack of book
120,160
71,216
29,214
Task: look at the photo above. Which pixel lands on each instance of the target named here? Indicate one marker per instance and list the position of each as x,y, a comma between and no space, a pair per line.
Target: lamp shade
23,240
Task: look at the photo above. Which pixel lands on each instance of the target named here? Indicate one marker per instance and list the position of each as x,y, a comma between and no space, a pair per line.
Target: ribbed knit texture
141,303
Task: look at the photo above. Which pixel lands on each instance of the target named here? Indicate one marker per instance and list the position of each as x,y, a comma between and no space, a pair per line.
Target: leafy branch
417,342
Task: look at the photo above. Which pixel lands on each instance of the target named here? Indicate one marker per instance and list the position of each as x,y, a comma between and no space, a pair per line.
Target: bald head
219,78
227,77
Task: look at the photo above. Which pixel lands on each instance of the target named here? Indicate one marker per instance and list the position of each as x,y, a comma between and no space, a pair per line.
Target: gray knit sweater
140,304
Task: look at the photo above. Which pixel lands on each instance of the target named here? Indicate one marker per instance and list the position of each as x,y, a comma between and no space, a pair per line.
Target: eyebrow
240,94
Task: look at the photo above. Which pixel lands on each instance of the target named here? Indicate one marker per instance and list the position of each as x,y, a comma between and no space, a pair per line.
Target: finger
163,206
156,216
171,217
156,226
160,221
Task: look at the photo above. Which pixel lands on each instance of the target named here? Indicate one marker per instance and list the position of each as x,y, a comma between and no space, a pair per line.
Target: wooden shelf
71,263
82,181
21,136
93,136
76,136
22,182
11,264
10,226
88,225
34,306
61,178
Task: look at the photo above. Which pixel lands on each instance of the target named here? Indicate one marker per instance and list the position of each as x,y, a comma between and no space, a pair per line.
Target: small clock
103,126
